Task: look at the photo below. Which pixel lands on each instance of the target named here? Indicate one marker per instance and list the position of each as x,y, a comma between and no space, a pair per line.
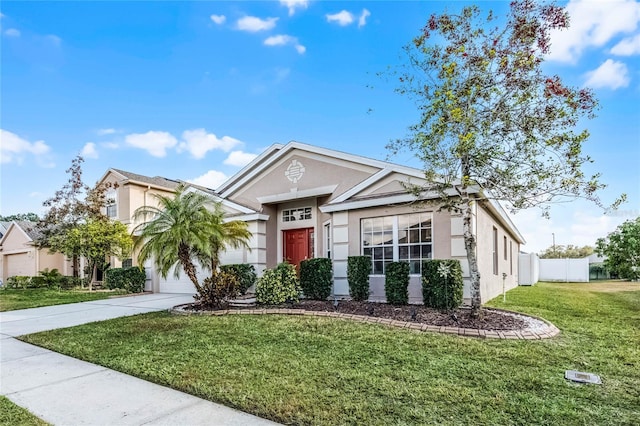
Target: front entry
298,245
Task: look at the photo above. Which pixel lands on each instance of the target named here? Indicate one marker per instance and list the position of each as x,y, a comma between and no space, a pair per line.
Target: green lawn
309,370
12,299
12,415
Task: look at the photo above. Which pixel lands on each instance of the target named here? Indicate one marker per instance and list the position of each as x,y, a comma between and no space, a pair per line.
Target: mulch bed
489,320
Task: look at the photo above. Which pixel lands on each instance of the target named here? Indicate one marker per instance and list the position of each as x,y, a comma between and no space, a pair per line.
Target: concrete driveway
66,391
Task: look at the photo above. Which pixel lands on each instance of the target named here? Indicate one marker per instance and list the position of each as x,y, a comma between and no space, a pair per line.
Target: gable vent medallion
295,171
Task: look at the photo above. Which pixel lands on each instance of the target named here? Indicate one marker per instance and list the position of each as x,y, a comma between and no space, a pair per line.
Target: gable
15,239
304,172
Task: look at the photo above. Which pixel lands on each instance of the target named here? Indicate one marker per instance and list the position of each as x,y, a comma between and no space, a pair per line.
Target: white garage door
19,264
180,285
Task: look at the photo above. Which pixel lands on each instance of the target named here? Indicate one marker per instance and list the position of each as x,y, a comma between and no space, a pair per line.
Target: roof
29,228
155,180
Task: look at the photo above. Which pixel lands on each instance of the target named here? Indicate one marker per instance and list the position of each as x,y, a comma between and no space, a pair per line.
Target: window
291,215
397,238
505,247
127,263
112,206
327,240
112,210
495,251
511,257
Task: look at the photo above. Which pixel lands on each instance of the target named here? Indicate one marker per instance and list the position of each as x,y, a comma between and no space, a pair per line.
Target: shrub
50,278
278,285
316,278
396,283
358,271
442,283
218,289
130,279
67,282
18,281
246,274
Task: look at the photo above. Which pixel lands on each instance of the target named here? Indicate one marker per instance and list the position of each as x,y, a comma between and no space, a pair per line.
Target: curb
539,334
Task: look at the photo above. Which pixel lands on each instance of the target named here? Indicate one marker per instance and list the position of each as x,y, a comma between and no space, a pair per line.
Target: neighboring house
130,191
303,201
19,256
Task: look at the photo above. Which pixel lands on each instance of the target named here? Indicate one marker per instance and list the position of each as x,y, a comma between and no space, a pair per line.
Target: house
20,257
302,201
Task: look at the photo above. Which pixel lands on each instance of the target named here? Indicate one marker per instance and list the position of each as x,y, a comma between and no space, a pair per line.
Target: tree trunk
75,265
470,238
470,246
188,266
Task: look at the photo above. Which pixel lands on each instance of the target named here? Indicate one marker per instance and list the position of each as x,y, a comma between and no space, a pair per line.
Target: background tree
621,249
186,229
97,240
559,251
492,125
72,205
31,217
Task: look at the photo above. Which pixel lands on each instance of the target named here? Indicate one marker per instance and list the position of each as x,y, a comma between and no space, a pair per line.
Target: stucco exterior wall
319,171
491,284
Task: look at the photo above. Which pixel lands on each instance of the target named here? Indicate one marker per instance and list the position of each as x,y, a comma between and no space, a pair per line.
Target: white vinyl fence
528,268
565,270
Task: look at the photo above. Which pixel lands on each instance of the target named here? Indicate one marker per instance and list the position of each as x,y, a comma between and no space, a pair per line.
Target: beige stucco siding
318,172
491,283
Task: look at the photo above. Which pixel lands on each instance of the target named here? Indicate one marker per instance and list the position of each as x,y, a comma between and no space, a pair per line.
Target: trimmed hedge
396,283
278,285
358,271
130,279
316,278
245,273
442,283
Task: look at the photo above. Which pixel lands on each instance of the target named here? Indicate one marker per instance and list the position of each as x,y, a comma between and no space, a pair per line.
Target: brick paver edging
534,334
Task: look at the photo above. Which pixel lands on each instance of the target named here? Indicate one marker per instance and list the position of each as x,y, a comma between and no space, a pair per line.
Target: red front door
298,245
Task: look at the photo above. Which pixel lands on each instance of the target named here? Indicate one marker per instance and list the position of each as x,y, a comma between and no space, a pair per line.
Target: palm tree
185,228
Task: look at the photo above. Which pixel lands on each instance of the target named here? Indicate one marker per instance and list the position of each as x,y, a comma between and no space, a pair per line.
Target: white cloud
282,40
218,19
211,179
239,158
294,4
627,47
13,148
155,143
12,32
89,150
254,24
342,18
198,142
611,74
362,21
54,39
102,132
593,24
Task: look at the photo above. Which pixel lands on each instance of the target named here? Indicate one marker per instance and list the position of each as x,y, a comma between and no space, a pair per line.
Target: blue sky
194,90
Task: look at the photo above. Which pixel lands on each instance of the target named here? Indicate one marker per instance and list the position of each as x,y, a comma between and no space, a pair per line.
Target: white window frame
327,239
395,234
297,214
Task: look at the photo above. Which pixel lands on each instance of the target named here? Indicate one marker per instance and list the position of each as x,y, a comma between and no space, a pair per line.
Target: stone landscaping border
545,332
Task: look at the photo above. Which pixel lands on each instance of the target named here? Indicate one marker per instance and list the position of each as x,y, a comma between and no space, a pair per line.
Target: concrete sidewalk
65,391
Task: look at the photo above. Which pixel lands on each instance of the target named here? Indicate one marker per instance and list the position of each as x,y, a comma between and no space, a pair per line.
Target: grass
309,370
13,415
12,299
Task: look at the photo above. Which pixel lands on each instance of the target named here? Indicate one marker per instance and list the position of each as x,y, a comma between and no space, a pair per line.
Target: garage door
180,285
19,264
